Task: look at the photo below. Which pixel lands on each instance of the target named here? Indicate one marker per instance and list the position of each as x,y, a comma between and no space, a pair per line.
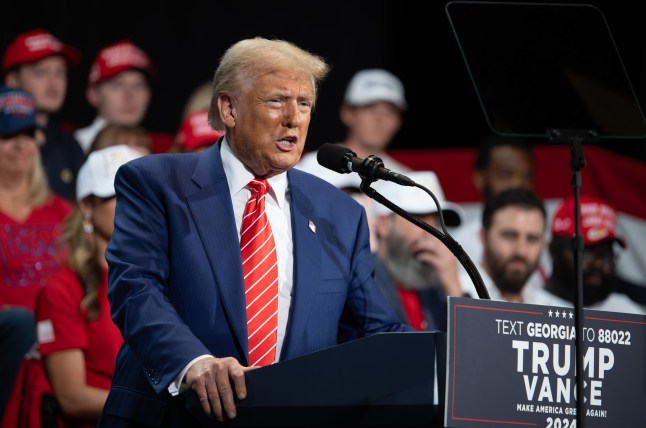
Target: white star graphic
550,313
558,314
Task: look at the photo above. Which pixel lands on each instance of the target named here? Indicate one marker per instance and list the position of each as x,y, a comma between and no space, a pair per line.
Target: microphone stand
575,138
445,237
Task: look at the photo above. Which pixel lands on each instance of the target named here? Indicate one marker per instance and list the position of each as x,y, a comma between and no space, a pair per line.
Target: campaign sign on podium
513,364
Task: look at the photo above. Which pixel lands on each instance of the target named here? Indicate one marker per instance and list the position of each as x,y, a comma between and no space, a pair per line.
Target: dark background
414,40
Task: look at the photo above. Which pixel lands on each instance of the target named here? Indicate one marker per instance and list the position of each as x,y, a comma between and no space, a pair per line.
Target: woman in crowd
78,341
30,221
30,215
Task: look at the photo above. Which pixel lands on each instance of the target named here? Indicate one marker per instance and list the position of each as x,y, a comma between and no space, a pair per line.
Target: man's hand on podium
212,379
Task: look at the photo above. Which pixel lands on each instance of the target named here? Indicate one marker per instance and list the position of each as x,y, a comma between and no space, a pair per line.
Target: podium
386,379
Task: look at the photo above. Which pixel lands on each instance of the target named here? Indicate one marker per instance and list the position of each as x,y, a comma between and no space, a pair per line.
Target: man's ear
226,107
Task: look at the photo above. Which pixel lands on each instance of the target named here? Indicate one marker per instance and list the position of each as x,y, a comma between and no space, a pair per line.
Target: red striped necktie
260,269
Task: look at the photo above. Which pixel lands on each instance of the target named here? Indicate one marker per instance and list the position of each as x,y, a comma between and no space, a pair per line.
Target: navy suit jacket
176,287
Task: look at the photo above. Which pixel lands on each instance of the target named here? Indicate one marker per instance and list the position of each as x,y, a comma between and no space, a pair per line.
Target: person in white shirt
598,227
372,112
513,237
501,163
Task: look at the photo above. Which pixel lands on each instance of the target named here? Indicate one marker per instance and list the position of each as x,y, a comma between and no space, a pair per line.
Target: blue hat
17,111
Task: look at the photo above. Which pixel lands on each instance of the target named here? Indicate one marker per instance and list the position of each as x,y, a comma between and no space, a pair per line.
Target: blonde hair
38,185
83,260
250,58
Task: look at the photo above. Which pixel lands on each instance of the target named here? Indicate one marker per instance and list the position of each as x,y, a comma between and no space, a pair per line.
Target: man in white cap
413,268
372,112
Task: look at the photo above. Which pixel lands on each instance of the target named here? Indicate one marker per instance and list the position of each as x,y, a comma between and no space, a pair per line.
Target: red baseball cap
598,221
35,45
195,131
117,57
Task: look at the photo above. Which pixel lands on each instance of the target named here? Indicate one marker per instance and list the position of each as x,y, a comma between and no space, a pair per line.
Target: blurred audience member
37,62
501,163
77,338
413,268
347,183
598,227
119,88
30,219
135,137
195,134
30,215
372,112
199,100
513,237
17,336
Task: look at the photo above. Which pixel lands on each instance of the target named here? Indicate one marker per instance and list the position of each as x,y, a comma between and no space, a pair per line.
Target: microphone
344,161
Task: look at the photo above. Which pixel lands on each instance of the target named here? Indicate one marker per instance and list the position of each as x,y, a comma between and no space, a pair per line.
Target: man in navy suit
176,284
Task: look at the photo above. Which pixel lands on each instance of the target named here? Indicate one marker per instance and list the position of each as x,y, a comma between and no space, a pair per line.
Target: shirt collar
99,123
238,176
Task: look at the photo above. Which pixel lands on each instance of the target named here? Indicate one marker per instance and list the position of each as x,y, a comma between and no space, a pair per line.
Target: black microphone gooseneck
445,237
370,169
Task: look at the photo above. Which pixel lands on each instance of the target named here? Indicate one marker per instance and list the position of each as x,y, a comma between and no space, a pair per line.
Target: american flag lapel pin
312,226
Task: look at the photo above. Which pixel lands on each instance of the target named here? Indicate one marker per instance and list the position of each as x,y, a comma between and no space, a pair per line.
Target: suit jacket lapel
213,214
307,264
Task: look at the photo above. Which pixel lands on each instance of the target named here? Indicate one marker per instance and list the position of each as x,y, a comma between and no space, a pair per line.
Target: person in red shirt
30,214
77,338
30,219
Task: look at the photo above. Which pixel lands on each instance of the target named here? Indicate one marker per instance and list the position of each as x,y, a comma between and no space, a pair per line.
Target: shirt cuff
178,386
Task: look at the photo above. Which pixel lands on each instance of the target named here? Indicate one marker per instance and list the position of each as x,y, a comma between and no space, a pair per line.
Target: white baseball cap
374,85
418,202
96,176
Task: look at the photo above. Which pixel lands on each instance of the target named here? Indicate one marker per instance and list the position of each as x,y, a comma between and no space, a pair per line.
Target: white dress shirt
277,207
85,136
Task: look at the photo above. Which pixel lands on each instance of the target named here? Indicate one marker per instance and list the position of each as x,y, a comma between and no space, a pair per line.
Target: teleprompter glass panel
546,66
